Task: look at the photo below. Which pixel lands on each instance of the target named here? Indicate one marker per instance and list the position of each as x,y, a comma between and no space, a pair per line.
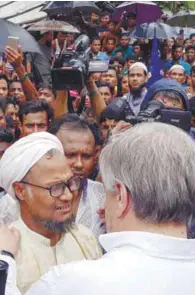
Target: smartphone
13,42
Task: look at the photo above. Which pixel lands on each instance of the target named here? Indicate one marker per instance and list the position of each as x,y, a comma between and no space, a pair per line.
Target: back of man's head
6,135
155,162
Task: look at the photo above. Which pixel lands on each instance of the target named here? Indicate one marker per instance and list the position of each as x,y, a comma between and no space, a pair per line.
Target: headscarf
23,155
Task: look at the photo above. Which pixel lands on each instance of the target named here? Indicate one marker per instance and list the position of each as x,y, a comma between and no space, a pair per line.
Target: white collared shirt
137,263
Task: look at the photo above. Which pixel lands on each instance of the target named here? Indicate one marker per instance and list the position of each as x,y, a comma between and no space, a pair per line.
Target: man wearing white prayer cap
35,171
178,73
138,76
131,103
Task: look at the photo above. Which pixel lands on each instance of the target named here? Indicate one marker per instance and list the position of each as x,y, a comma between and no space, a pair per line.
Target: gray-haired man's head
149,170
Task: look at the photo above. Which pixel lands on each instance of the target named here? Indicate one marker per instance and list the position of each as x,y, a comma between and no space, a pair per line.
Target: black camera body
3,276
72,68
156,112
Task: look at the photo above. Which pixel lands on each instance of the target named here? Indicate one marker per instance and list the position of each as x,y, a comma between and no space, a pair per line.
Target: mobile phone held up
13,42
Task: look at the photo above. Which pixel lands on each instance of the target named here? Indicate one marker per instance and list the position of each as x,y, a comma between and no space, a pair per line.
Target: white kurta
36,256
137,263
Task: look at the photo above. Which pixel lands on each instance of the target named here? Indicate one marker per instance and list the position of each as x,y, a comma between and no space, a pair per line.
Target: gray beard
58,227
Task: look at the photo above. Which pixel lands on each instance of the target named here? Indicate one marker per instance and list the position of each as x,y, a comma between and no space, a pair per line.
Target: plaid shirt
92,199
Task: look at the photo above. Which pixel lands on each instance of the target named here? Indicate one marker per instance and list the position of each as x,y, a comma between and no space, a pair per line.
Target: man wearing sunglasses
35,171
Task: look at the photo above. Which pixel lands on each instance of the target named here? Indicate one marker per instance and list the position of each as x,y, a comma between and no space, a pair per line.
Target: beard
57,227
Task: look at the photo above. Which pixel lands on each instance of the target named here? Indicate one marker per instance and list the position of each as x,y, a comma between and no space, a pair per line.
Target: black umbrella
182,19
26,41
70,7
158,30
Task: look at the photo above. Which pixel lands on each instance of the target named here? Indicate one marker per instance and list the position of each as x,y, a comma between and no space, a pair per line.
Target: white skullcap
177,67
23,155
139,64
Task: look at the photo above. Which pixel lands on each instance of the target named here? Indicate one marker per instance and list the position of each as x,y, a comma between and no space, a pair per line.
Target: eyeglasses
58,189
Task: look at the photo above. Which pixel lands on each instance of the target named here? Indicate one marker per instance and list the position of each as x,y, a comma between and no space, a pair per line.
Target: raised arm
97,102
15,58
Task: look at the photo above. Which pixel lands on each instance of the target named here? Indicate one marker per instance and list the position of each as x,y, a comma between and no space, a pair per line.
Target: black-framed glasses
58,189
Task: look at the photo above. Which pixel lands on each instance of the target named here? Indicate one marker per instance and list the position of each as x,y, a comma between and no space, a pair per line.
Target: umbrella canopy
187,31
158,30
183,19
69,7
53,26
26,41
145,11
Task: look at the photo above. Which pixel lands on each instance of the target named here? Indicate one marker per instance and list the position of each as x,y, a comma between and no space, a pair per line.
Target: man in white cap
35,171
178,73
130,103
138,76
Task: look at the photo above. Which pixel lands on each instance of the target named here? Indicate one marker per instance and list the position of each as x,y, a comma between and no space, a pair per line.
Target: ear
148,76
123,200
19,189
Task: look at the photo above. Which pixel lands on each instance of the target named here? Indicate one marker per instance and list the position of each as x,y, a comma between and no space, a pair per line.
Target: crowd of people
79,182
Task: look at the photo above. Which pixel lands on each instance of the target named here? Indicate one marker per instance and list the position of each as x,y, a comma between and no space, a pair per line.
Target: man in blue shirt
95,52
177,54
124,47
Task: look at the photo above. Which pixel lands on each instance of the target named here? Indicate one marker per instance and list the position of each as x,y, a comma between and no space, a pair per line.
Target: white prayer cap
23,155
175,67
139,64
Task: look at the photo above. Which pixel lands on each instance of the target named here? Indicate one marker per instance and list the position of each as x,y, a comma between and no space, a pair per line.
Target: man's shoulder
184,62
80,230
96,192
86,240
78,275
186,66
18,224
96,185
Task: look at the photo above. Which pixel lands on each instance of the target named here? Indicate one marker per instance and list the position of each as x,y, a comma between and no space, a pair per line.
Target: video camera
72,68
156,112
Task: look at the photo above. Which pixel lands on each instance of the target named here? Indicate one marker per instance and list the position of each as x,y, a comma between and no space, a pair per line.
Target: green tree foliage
176,6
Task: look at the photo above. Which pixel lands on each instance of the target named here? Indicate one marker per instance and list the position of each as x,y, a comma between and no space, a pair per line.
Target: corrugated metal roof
22,12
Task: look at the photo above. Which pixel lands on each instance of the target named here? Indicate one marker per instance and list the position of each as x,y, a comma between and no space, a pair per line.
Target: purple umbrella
146,12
